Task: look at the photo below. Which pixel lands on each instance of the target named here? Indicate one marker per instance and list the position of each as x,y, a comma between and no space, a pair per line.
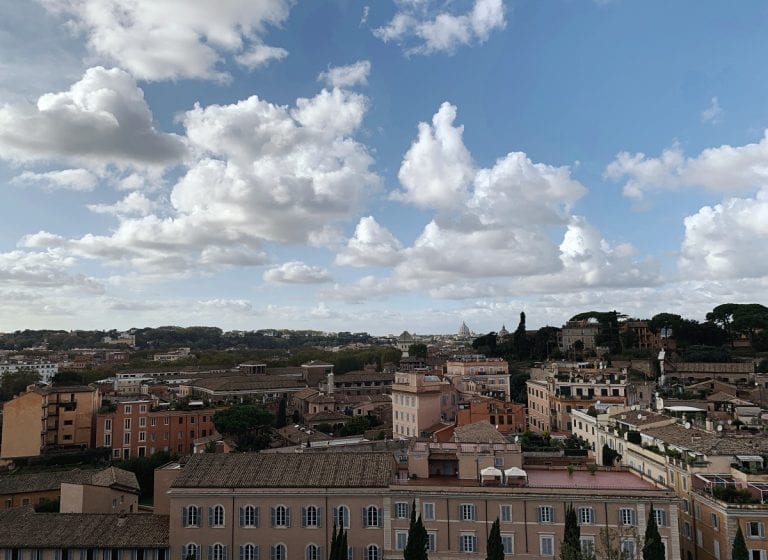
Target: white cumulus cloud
102,119
297,272
65,179
426,27
725,169
371,245
347,76
173,39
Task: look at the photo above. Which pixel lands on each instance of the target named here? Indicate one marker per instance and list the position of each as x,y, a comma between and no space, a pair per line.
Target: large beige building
284,506
719,476
476,374
49,418
552,399
419,401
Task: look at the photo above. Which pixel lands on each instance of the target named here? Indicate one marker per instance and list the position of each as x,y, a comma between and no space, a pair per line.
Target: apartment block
46,370
574,332
552,399
506,416
282,506
44,419
476,374
136,428
420,401
719,476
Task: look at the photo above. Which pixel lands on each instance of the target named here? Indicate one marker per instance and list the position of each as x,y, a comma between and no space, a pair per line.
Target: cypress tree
739,550
654,548
334,544
418,540
495,548
570,548
341,548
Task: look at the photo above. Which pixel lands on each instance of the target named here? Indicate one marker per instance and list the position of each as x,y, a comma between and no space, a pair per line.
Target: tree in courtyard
13,383
570,548
495,548
282,413
739,550
653,548
418,541
247,424
418,350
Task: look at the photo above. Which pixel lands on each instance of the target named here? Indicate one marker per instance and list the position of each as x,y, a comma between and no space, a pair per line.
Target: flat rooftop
608,480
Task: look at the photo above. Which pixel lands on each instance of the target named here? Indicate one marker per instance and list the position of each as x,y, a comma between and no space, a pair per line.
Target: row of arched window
280,516
279,551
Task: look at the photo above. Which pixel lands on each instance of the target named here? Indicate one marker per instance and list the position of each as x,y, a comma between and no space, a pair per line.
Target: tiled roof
23,528
299,470
327,416
640,418
355,376
710,443
247,383
40,482
479,432
706,367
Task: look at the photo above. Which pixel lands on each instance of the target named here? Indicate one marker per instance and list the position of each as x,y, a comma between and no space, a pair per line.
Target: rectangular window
661,517
468,542
699,538
713,519
508,542
498,461
506,513
107,425
432,541
546,545
627,517
628,548
755,530
153,421
166,420
401,539
127,438
546,514
142,436
687,530
128,409
587,546
127,424
586,516
142,408
107,440
756,555
142,422
716,549
429,511
467,512
401,510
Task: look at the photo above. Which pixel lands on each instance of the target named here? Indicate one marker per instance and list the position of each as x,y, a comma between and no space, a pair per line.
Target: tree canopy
241,418
653,547
418,541
495,547
570,548
13,383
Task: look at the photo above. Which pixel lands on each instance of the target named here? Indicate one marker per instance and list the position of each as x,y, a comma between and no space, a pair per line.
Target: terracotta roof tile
301,470
23,528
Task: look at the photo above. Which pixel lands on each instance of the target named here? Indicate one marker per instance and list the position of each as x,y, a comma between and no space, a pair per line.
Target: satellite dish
719,427
687,425
517,438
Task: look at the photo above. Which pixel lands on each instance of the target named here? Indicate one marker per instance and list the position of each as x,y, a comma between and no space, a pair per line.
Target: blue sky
379,166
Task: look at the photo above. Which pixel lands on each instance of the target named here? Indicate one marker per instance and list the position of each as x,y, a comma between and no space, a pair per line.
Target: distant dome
503,332
406,336
464,331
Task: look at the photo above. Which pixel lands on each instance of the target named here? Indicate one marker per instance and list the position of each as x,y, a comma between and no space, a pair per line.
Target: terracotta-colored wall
84,498
28,498
22,426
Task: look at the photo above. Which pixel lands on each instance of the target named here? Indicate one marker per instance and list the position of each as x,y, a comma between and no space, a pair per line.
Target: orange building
136,429
506,416
48,418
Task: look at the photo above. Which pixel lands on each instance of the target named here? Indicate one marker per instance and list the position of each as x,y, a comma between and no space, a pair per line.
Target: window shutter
461,544
320,555
472,511
287,517
274,523
210,516
256,548
365,518
320,520
272,552
183,553
336,517
256,514
303,516
242,552
226,552
379,517
242,524
184,516
210,552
